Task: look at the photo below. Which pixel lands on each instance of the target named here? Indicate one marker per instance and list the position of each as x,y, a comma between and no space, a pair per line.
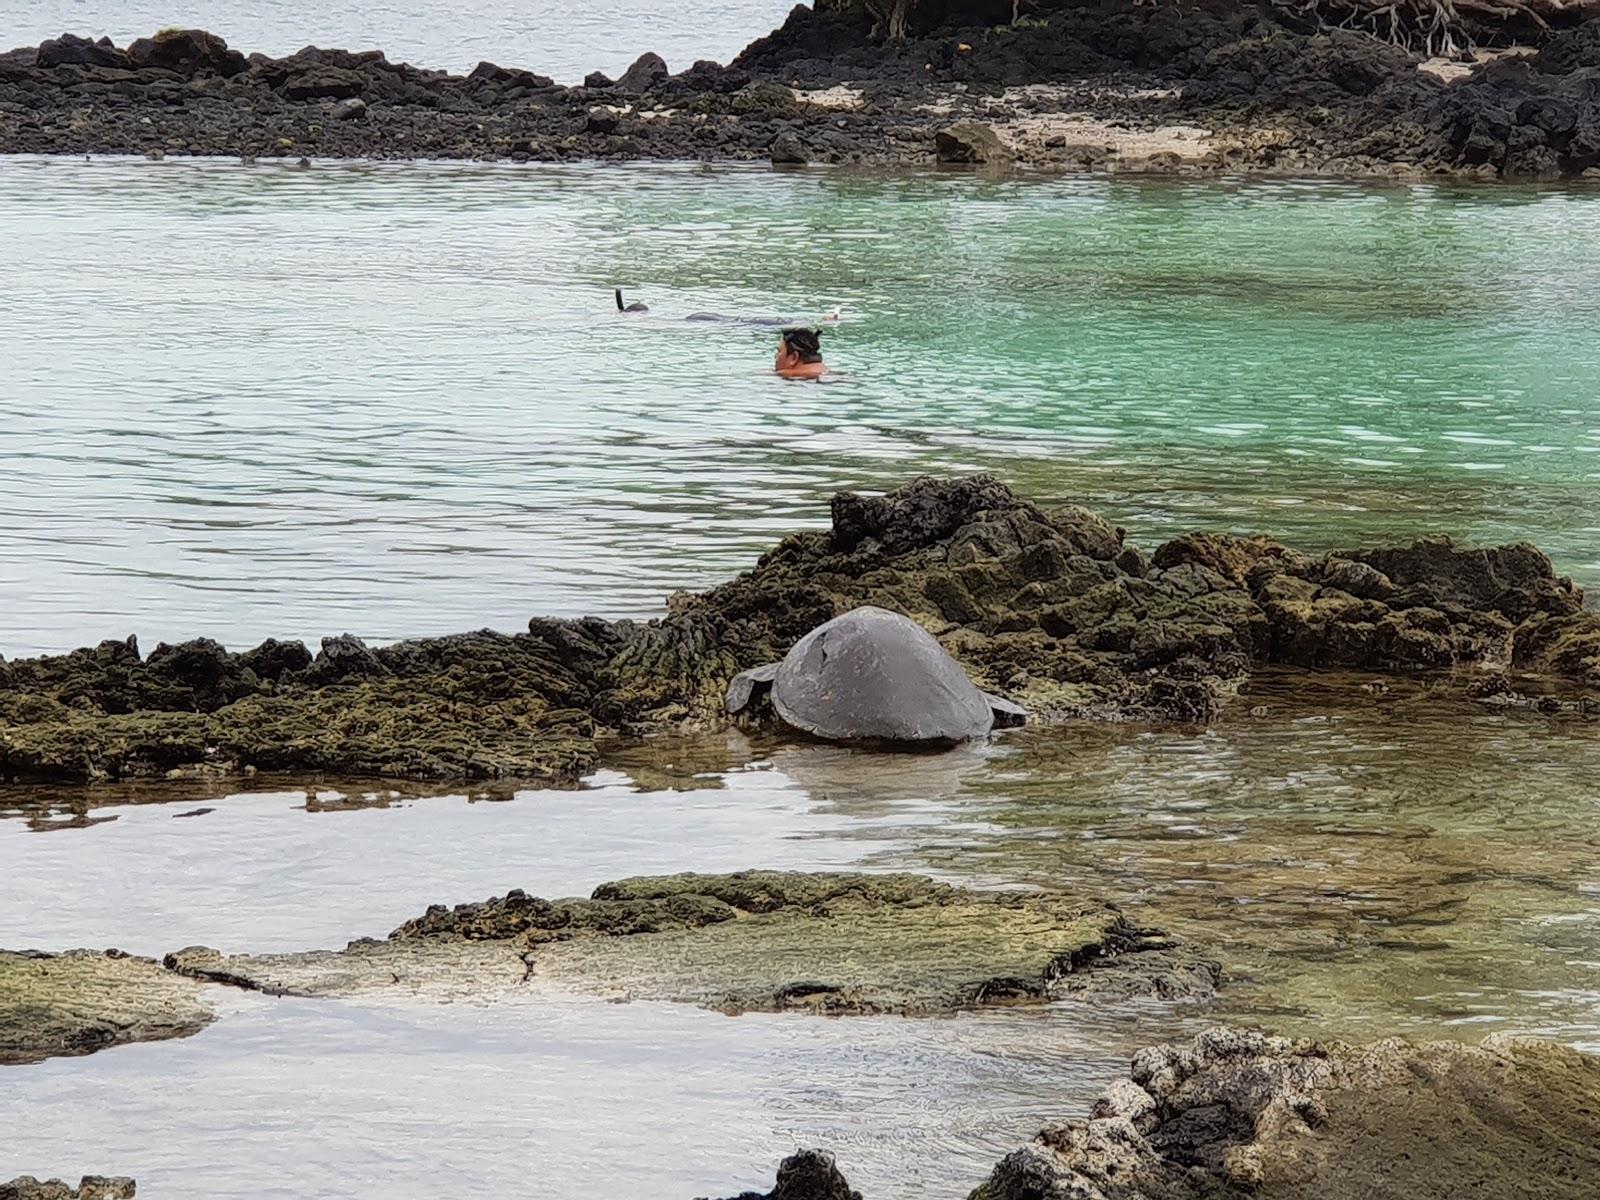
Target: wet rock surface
753,941
1237,1114
1050,609
90,1187
1054,610
807,1175
477,706
86,1000
1108,87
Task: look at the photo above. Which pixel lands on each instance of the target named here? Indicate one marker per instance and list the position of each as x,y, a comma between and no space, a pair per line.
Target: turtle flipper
1007,713
748,685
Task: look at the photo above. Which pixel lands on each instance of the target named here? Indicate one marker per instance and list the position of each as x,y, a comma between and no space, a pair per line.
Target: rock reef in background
753,941
1235,1114
1048,608
86,1000
91,1187
1173,87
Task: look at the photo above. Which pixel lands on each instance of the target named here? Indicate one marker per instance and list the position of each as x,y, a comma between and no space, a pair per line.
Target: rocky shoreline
1179,88
1235,1114
1052,610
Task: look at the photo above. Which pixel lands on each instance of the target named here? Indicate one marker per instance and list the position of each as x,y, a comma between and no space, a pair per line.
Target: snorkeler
800,354
636,307
830,317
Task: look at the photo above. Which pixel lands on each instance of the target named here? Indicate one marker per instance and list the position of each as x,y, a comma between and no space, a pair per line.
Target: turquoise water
243,402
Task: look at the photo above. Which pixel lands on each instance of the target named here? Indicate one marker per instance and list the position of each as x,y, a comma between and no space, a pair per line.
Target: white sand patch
839,98
1059,97
1077,136
644,114
1049,124
1452,69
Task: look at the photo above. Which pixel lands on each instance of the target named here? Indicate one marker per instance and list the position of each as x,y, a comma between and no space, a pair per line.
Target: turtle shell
873,675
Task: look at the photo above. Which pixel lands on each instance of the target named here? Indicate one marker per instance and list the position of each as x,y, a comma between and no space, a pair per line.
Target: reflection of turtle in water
873,676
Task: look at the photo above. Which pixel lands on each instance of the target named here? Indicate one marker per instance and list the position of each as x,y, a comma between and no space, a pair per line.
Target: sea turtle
873,676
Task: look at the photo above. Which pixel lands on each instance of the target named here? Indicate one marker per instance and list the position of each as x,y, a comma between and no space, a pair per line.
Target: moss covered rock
753,941
1235,1114
85,1000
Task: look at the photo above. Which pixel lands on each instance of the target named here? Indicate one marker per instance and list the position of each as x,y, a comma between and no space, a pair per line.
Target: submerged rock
85,1000
753,941
872,676
1235,1114
90,1187
365,965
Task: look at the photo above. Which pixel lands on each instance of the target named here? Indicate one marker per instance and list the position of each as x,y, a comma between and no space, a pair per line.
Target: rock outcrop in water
91,1187
86,1000
1127,87
752,941
807,1175
1234,1114
1052,609
478,705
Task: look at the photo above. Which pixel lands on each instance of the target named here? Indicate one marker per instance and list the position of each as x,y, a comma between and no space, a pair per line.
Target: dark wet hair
806,343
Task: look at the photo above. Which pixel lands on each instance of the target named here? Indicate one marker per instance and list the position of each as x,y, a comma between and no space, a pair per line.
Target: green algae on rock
1235,1114
85,1000
753,941
1051,609
365,965
473,706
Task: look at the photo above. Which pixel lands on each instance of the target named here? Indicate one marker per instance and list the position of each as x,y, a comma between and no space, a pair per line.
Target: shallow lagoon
1364,856
395,400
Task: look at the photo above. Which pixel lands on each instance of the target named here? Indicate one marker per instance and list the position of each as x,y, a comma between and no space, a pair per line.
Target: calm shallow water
565,39
543,1097
1364,861
565,1098
243,402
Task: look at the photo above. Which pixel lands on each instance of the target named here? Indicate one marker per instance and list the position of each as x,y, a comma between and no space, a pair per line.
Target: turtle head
749,686
1008,714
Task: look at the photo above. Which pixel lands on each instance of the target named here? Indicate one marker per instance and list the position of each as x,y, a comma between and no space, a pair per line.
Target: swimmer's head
804,345
800,354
